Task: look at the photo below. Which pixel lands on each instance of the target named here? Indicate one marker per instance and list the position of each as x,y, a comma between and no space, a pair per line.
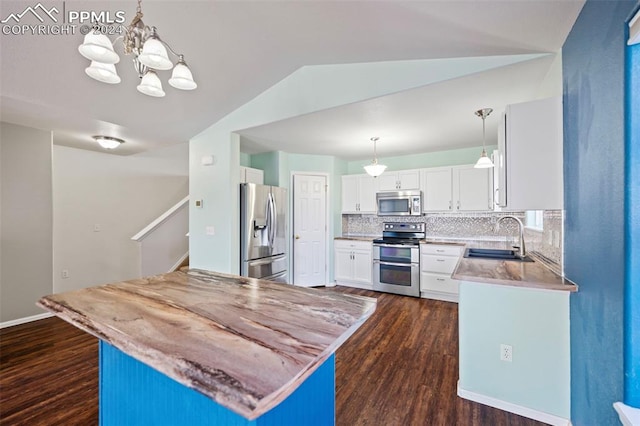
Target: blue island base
132,393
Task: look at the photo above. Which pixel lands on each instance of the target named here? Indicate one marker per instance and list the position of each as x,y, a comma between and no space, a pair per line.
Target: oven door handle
410,265
395,245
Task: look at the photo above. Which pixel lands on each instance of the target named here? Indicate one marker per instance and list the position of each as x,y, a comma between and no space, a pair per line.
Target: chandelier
149,55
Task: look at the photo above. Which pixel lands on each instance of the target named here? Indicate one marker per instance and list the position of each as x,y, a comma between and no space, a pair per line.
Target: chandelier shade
181,78
484,162
98,47
105,73
154,55
151,85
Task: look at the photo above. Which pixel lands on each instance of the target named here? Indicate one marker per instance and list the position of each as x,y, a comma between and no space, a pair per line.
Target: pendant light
484,162
374,169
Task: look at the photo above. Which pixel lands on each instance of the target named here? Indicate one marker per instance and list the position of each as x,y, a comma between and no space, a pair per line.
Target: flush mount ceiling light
149,55
374,169
108,142
484,162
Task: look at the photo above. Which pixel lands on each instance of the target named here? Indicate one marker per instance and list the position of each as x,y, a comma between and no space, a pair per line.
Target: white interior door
309,230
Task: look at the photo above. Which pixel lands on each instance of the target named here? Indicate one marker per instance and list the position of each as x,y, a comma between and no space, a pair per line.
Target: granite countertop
245,343
358,237
509,272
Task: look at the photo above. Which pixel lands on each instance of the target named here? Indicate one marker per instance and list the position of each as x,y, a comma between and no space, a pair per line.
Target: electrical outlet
97,227
506,353
210,230
64,273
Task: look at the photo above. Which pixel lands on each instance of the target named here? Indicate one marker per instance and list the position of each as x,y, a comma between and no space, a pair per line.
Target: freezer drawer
265,267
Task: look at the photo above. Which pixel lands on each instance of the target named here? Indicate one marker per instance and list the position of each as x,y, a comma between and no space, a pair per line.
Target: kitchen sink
497,254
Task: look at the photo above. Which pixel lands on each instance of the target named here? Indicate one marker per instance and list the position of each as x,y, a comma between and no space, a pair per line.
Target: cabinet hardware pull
439,251
450,204
458,204
440,279
496,198
439,260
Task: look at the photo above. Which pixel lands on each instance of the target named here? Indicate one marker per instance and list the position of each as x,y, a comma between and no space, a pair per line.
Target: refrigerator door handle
274,213
265,261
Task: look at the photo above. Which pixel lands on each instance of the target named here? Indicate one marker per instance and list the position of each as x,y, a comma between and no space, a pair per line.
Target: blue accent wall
594,158
632,231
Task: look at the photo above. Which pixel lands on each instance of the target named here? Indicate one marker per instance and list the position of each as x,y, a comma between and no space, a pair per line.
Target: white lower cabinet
437,263
353,263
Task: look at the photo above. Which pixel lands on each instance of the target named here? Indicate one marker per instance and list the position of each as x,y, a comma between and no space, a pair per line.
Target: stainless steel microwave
399,203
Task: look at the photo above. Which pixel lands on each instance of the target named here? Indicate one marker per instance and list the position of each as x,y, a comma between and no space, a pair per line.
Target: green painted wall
245,159
454,157
269,162
536,324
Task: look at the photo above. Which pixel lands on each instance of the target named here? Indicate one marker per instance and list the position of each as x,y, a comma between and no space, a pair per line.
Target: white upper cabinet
472,188
457,188
250,175
399,181
437,189
530,139
359,194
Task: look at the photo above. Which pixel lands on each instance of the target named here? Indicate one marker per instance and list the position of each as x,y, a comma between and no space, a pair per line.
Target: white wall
119,194
26,220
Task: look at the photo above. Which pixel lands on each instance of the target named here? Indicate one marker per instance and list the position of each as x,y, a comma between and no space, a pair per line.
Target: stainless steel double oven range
396,259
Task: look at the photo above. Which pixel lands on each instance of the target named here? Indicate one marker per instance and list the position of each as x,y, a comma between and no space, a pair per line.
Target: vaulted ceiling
238,49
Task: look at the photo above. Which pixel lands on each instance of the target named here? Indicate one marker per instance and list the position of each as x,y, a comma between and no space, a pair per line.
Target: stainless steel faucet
522,252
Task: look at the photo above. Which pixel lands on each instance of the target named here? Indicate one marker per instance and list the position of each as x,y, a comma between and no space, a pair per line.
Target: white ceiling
238,49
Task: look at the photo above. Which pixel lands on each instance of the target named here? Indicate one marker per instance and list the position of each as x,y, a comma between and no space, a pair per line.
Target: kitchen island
196,347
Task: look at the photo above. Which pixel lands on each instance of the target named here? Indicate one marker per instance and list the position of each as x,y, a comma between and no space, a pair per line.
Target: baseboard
25,320
179,262
513,408
629,416
438,295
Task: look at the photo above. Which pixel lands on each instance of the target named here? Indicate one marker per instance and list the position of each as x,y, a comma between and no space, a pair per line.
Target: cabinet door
437,187
501,190
388,182
343,264
409,179
362,266
534,155
350,199
254,175
472,188
367,187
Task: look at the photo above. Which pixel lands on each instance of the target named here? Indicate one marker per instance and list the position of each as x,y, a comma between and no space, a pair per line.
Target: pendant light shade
484,162
98,47
105,73
151,85
154,55
108,142
181,78
374,169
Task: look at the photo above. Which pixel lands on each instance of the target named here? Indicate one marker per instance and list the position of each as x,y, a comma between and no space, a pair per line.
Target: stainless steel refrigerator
263,232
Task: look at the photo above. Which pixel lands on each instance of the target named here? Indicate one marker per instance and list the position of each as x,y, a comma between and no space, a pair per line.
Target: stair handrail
160,219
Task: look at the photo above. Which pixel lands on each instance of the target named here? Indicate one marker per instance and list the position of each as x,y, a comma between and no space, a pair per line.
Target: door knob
297,237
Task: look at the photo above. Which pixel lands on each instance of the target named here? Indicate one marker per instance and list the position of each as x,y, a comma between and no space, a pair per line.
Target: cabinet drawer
435,282
441,250
352,245
438,264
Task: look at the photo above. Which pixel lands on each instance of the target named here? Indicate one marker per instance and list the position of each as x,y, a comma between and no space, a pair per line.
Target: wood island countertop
245,343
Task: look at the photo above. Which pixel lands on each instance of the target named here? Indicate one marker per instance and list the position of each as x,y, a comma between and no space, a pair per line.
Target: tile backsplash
547,242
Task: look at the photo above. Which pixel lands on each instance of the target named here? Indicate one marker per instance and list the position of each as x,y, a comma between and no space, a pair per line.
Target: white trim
629,416
328,231
634,30
25,320
174,267
439,295
164,216
513,408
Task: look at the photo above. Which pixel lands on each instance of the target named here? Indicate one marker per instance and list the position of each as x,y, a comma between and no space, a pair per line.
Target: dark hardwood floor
399,368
